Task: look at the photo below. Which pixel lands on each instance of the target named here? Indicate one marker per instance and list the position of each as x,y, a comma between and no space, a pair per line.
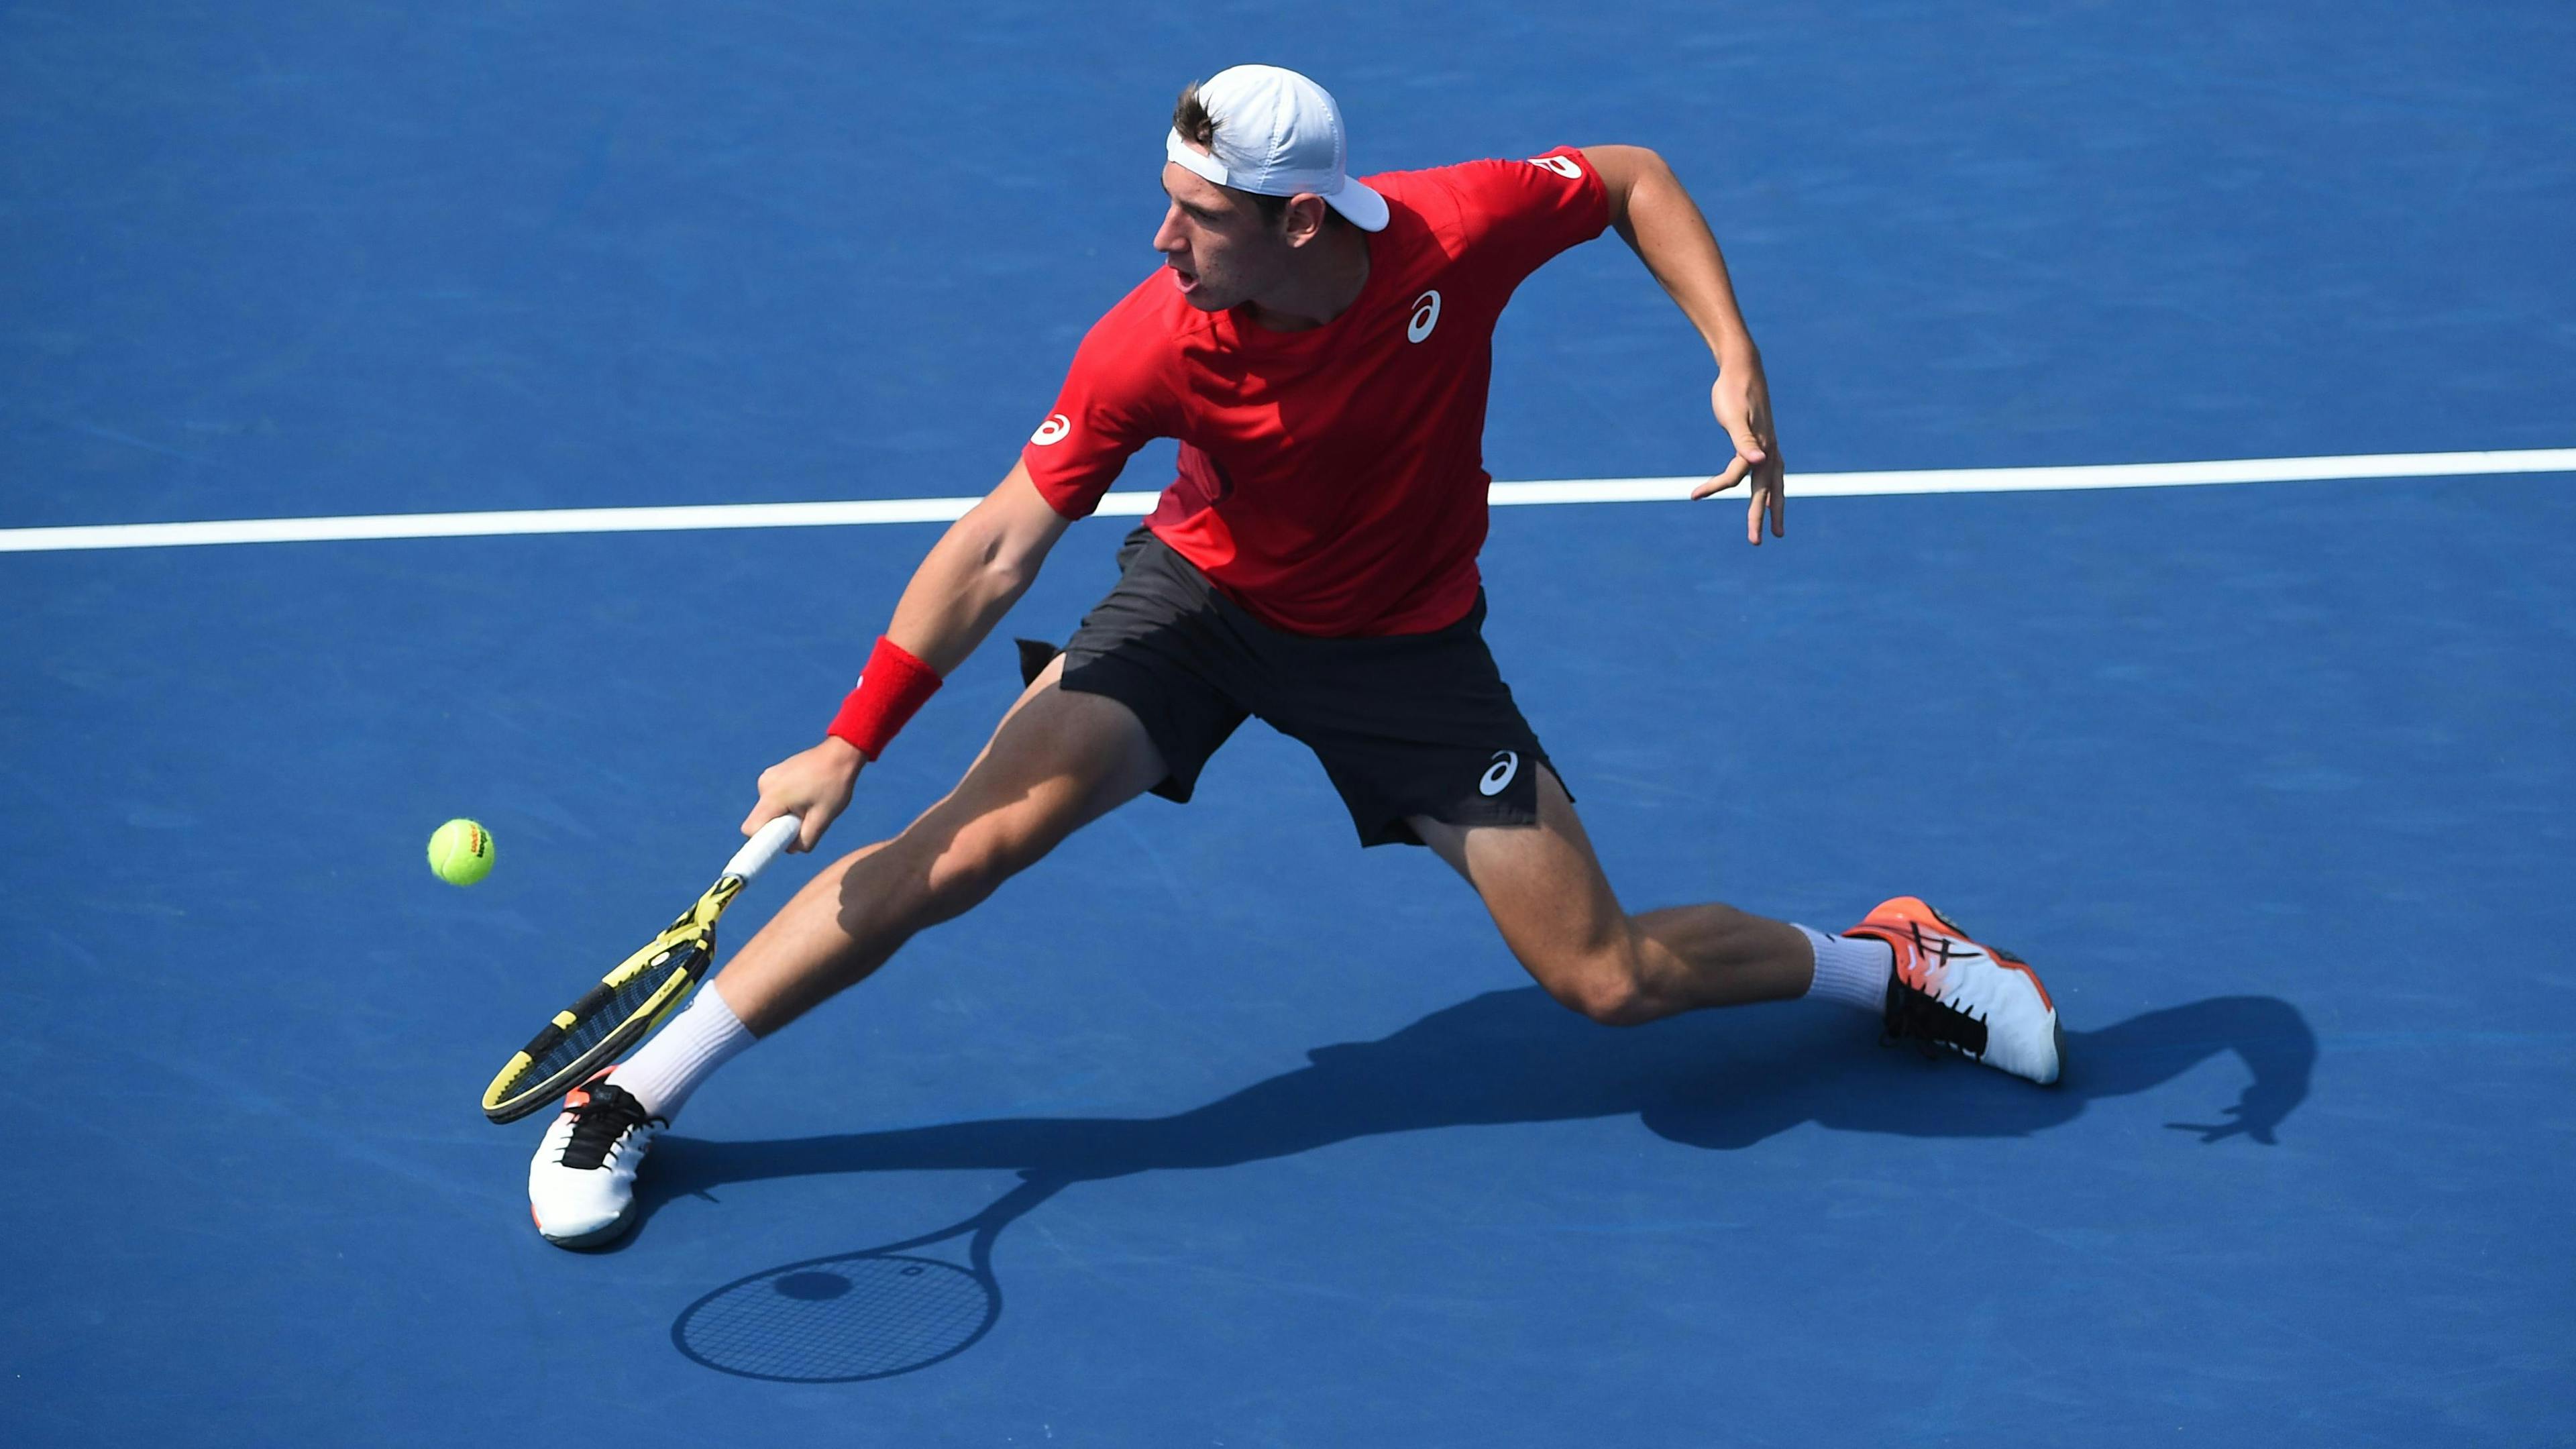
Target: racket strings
622,1005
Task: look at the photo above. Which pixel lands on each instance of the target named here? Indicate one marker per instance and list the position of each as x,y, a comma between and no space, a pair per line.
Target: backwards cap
1277,134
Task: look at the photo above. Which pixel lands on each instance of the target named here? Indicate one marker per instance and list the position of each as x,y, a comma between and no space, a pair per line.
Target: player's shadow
1722,1080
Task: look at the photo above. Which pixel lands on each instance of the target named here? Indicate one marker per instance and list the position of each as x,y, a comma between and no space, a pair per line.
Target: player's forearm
970,579
1672,238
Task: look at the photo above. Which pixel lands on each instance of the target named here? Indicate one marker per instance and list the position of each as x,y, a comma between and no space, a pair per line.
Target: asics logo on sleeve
1053,430
1426,315
1499,777
1562,165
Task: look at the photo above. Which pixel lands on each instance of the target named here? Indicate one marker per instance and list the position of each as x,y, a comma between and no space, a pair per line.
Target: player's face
1215,243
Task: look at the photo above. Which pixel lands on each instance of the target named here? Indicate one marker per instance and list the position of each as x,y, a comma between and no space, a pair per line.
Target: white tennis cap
1277,134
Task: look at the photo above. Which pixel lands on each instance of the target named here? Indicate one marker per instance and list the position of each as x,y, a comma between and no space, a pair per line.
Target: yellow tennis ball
461,852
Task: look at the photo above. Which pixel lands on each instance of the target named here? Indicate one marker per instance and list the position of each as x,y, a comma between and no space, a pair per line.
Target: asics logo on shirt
1562,165
1053,430
1499,778
1426,315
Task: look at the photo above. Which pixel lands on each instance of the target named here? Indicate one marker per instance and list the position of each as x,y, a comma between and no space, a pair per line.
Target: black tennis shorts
1407,724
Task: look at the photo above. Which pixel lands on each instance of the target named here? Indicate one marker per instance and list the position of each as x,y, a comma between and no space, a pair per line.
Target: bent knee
1606,986
954,874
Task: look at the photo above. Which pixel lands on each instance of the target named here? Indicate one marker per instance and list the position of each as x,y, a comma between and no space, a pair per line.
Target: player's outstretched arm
969,580
1654,215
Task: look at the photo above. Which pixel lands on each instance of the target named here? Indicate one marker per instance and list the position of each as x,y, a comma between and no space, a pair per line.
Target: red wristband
892,686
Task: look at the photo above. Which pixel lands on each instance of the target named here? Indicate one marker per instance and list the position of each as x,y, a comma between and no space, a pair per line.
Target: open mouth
1185,279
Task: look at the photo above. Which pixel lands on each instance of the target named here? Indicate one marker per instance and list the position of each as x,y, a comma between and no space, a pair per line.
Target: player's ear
1303,221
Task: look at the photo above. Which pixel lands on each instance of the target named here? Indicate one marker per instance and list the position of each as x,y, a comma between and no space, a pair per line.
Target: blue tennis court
1267,1139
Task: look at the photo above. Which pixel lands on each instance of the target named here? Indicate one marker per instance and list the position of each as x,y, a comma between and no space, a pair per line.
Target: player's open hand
815,784
1741,398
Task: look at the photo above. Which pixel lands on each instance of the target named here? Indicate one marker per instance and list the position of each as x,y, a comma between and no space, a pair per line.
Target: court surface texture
2271,780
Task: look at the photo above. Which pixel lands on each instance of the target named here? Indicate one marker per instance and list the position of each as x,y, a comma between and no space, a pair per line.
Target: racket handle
761,849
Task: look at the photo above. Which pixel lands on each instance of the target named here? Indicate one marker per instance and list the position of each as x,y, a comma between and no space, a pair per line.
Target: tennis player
1321,346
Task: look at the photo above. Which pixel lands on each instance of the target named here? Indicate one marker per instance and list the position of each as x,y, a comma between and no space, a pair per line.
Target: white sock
1853,970
703,1037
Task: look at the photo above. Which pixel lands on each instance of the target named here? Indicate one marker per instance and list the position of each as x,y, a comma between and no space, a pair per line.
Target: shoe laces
1917,1015
600,1123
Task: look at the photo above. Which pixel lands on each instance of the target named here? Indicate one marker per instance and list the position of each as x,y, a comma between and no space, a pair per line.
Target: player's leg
1058,760
1425,743
1134,703
1557,912
1905,962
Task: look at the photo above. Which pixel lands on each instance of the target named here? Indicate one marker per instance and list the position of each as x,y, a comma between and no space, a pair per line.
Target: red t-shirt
1332,481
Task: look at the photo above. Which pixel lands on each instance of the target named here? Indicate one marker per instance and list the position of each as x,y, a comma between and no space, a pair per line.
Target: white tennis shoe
581,1187
1982,1002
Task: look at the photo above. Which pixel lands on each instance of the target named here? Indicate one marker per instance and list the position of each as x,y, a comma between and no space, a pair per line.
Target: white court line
1134,503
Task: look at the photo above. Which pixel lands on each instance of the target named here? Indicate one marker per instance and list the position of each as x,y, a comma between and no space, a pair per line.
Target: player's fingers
1779,503
1734,474
818,818
1753,519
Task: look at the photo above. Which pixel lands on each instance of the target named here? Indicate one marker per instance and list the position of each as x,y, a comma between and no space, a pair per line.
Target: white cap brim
1362,204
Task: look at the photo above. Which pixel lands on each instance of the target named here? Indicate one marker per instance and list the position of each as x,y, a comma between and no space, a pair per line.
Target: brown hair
1190,117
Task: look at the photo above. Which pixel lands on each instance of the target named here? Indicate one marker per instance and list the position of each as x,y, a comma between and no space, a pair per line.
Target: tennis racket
633,999
869,1315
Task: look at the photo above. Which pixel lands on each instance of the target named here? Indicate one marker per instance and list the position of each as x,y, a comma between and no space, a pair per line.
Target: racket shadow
852,1317
1712,1080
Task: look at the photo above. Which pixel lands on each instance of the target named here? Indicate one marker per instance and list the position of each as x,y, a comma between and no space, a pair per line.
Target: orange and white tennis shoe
1980,1001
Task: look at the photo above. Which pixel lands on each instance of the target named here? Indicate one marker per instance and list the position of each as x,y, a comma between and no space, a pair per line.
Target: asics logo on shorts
1426,315
1053,430
1499,778
1562,165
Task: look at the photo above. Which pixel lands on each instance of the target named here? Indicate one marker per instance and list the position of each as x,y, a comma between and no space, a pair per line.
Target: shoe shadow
1716,1080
